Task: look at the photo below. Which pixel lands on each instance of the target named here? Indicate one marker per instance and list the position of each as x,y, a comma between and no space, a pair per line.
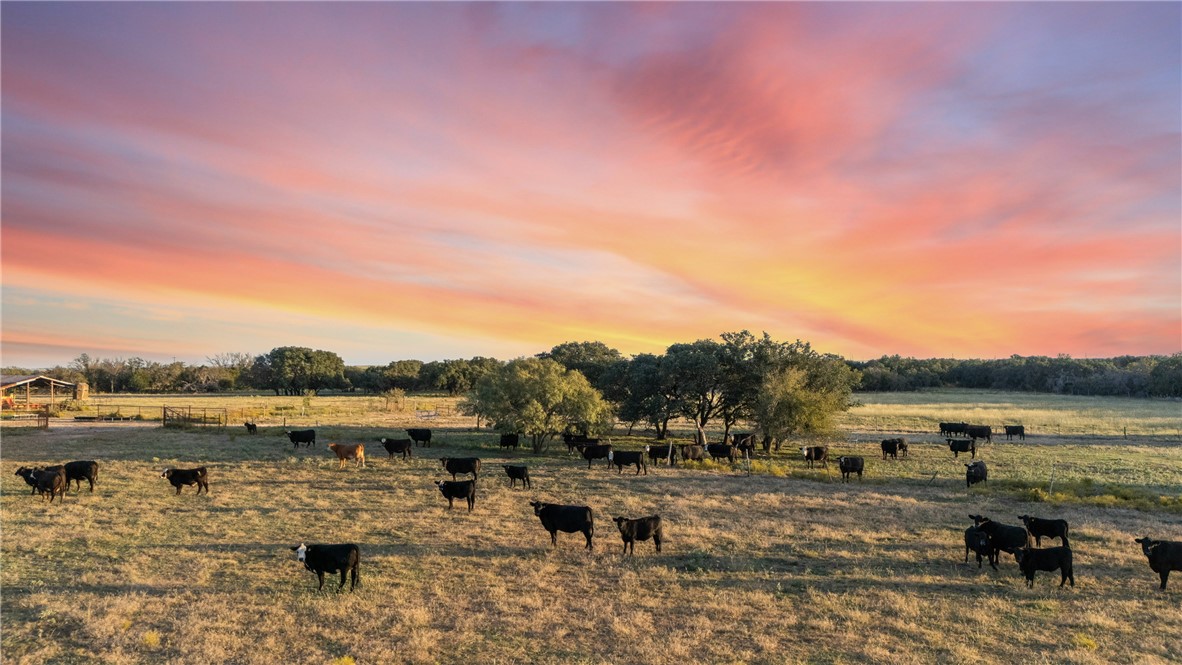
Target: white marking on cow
302,552
611,455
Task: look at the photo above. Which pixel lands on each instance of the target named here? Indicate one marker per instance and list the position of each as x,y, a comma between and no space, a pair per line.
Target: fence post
1051,490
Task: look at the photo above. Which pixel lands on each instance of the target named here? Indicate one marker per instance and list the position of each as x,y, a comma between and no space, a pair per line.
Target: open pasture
780,566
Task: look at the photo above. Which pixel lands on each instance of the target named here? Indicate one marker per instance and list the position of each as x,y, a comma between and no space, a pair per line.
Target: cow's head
538,505
166,473
1147,545
301,551
804,451
620,522
1019,555
1026,519
443,461
611,455
979,540
978,519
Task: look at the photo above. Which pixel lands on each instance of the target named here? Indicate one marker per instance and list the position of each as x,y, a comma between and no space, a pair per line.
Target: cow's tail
591,521
1066,544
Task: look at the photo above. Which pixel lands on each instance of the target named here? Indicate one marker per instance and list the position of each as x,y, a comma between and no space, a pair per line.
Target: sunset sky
434,181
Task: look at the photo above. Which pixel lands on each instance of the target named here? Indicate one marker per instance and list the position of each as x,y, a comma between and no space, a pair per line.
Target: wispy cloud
922,179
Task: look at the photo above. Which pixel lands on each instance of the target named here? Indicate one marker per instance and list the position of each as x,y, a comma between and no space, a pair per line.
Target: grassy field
785,565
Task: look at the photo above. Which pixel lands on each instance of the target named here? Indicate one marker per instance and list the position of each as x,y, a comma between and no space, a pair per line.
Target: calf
568,519
975,473
893,447
1164,556
641,528
692,452
658,454
304,436
398,447
349,451
179,477
454,465
458,489
850,464
251,428
1016,430
510,441
1002,537
517,473
1038,527
30,476
814,454
623,458
978,541
595,451
958,446
1051,558
322,559
52,482
718,451
420,435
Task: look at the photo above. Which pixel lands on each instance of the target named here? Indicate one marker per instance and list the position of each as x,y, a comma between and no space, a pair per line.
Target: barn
32,392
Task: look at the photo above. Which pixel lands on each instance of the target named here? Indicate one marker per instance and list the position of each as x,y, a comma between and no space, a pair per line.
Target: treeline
1124,376
295,370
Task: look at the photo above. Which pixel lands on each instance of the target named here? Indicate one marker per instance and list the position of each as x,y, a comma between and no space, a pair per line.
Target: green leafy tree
591,358
539,398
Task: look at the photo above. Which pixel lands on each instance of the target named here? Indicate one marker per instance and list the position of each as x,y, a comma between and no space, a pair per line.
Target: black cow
30,476
1002,537
893,447
623,458
398,447
816,454
1038,527
575,441
458,489
975,473
48,481
692,452
1051,558
568,519
979,432
77,472
322,559
951,429
179,477
455,465
304,436
850,464
1016,430
718,451
958,446
420,435
595,451
251,428
510,441
657,454
1164,556
516,473
643,528
978,541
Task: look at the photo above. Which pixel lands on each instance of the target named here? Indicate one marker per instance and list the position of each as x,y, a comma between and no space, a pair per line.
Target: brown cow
349,451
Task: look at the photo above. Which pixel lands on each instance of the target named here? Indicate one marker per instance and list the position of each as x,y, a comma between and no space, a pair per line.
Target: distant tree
1165,380
291,370
539,398
590,358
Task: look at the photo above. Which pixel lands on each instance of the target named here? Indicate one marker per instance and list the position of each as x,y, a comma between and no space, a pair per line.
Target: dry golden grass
763,569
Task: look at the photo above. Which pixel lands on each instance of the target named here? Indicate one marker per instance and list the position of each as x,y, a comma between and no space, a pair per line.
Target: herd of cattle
986,538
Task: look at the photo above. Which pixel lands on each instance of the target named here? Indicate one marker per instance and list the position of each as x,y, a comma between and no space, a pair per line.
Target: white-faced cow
322,559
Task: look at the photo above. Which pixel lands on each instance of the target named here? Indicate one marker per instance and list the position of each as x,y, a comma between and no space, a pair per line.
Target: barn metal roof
9,381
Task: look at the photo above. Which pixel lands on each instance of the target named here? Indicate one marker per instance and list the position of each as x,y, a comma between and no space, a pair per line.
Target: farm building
33,392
